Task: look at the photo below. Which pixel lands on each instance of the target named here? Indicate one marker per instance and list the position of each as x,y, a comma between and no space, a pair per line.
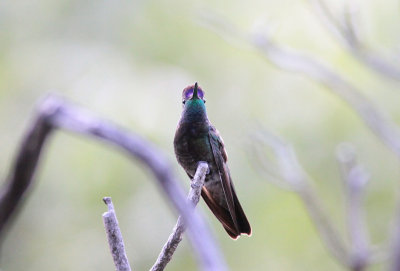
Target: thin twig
346,32
355,178
176,236
114,237
55,113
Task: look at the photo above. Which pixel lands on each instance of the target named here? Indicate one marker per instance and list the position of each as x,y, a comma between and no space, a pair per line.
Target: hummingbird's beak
195,96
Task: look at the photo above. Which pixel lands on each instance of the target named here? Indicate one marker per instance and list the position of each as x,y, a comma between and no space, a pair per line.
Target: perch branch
114,237
176,236
355,178
290,60
345,30
55,113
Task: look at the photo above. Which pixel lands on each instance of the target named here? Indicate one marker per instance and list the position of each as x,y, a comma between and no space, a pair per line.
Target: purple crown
188,93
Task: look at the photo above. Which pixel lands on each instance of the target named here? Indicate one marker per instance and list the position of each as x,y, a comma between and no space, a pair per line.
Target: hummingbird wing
220,157
232,218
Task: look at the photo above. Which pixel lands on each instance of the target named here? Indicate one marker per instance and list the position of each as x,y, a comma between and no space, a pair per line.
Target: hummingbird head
192,93
194,108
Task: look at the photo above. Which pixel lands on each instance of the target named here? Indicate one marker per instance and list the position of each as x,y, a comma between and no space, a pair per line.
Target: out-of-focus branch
293,61
293,175
114,237
176,236
24,166
355,178
345,30
55,113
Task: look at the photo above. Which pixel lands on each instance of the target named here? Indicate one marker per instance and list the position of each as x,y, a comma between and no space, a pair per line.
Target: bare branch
355,178
290,60
24,166
292,173
176,236
294,177
346,32
114,237
54,113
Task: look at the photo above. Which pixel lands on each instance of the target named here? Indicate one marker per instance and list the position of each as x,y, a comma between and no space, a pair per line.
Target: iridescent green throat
194,111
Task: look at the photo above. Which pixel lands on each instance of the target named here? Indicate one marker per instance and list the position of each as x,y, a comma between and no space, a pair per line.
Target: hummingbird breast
192,145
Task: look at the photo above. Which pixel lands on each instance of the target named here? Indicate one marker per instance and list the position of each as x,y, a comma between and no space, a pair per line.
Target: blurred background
128,61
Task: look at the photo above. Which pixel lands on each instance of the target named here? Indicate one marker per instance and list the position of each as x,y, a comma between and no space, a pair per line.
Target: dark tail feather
225,217
243,223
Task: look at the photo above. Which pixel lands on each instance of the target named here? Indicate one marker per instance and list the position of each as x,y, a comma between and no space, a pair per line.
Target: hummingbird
196,140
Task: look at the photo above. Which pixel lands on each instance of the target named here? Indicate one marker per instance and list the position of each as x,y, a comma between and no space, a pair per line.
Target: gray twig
176,236
345,30
114,237
55,113
355,178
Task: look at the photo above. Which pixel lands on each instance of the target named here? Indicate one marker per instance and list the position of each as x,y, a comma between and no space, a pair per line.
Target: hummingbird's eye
183,101
204,100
